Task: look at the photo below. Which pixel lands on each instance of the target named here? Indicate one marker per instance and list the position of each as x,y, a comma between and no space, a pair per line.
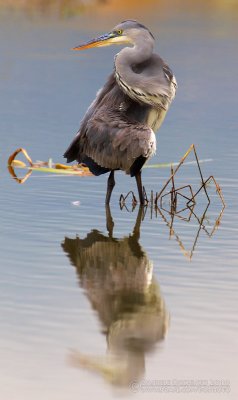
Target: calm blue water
83,314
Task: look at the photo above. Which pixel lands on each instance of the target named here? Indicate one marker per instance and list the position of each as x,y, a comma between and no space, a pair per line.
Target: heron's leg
139,187
110,186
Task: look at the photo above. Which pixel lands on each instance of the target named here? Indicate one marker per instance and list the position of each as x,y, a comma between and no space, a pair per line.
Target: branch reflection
117,276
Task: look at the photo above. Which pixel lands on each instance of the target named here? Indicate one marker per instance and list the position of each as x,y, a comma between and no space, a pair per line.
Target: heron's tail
72,152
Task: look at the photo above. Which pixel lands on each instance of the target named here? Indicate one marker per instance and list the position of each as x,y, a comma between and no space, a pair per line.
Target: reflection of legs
110,186
136,230
139,187
109,220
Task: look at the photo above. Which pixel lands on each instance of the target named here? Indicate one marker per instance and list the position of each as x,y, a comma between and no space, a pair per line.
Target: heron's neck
131,56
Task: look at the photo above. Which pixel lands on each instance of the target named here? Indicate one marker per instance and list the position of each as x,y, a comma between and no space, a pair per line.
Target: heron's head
127,32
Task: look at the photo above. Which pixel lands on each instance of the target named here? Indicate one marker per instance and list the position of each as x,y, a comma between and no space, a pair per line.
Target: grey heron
118,129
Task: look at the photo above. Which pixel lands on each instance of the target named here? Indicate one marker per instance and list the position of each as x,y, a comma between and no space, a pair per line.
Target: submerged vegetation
82,170
179,202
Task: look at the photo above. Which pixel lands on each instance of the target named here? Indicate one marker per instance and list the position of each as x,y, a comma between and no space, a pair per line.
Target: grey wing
114,143
108,139
72,152
150,82
159,83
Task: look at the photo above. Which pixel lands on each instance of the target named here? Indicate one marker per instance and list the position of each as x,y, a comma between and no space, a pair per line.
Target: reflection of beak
105,40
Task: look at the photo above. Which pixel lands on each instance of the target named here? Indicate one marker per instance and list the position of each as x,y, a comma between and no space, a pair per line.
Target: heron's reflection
118,278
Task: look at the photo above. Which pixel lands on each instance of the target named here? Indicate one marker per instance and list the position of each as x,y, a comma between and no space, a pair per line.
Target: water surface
84,311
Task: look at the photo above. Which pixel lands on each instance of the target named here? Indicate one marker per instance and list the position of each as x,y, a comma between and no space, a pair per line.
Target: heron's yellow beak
105,40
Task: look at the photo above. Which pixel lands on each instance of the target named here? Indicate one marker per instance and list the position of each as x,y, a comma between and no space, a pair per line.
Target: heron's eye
119,32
